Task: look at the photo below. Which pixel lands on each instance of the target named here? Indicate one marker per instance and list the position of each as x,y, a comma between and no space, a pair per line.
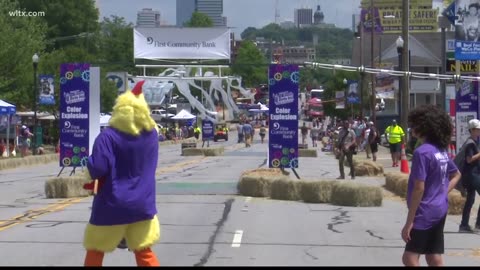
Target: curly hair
432,123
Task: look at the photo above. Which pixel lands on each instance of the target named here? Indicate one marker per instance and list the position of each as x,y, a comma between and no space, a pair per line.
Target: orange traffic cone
404,162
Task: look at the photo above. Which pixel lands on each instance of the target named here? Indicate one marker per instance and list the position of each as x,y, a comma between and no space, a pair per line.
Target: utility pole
406,65
362,74
443,23
373,93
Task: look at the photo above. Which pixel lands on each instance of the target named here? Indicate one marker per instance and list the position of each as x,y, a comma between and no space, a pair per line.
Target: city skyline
240,14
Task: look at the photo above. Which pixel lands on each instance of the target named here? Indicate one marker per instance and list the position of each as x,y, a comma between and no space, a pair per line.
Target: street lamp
399,42
35,59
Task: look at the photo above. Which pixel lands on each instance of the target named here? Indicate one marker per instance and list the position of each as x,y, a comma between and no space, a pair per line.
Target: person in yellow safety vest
196,132
395,137
225,129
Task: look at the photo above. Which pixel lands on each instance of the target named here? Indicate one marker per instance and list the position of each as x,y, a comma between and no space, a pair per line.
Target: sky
240,13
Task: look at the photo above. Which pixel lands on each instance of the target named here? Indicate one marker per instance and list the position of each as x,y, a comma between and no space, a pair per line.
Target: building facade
211,8
303,17
185,8
148,17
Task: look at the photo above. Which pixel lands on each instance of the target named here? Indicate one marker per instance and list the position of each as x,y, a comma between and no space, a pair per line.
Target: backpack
459,161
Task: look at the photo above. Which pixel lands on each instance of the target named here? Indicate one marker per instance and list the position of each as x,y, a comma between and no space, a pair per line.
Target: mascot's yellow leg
146,257
94,258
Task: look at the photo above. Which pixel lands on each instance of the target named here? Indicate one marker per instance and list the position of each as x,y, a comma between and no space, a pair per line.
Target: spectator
432,177
346,145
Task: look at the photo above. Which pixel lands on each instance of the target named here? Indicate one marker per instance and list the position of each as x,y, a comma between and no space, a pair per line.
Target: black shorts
428,241
395,148
374,147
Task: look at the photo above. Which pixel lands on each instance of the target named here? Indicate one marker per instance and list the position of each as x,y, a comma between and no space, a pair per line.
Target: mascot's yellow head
131,113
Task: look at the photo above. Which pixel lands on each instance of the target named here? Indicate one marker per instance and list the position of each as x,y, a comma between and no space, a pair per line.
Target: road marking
237,238
179,166
248,199
32,214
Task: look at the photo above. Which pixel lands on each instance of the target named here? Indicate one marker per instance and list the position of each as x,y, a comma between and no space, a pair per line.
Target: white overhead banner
181,43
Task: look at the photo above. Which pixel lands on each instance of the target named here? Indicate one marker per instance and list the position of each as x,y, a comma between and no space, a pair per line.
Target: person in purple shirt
123,161
433,176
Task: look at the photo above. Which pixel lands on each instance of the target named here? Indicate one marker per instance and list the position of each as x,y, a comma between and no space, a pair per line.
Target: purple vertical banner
283,116
74,110
207,130
466,109
366,21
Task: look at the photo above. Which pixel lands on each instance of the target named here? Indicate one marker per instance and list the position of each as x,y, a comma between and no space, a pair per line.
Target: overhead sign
283,116
181,43
74,114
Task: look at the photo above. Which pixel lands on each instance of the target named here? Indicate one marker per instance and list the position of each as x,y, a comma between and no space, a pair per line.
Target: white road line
247,199
237,238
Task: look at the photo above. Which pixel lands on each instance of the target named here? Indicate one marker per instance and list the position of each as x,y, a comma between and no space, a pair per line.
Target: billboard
74,114
389,21
467,32
181,43
395,3
283,113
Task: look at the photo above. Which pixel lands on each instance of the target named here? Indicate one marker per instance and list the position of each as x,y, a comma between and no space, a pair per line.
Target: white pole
8,135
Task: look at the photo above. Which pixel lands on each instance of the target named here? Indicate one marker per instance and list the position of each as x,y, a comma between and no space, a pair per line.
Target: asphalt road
205,223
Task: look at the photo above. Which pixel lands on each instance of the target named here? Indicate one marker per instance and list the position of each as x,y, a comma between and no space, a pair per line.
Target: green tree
116,46
250,64
65,20
249,33
199,19
20,37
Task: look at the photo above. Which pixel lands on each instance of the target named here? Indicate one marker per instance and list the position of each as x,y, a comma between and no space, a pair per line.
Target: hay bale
284,189
397,183
307,152
316,191
353,194
390,182
401,187
265,172
192,152
66,187
367,168
455,203
254,186
216,151
11,163
257,182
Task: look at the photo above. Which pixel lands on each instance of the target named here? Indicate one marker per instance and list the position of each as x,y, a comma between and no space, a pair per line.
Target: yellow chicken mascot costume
123,162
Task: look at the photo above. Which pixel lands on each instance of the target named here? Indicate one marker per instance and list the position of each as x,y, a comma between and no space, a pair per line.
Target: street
205,223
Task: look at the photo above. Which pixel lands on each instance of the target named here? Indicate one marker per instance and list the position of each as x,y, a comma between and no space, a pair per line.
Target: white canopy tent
8,110
183,115
263,108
